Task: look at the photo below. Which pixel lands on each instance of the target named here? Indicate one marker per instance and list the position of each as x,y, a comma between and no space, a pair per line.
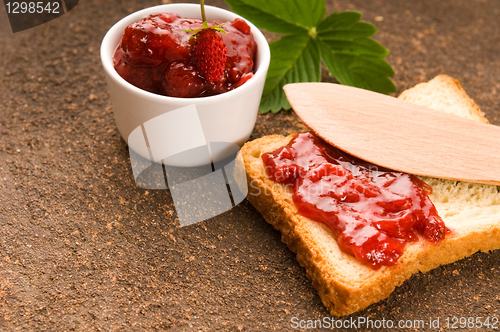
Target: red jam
372,211
155,55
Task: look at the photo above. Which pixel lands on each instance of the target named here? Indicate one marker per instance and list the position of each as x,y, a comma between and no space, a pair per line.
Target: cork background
82,248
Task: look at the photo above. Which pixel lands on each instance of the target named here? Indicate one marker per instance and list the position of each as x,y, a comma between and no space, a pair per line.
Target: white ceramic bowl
229,117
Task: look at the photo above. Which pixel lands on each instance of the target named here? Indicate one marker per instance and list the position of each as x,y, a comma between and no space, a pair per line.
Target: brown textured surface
82,248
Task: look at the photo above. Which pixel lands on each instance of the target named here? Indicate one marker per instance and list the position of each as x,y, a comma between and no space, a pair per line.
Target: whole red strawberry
209,50
210,54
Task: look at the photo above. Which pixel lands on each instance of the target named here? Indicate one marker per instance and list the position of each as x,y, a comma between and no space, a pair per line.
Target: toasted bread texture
470,211
444,93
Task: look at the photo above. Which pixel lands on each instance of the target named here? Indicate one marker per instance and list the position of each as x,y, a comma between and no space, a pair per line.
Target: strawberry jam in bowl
161,59
174,56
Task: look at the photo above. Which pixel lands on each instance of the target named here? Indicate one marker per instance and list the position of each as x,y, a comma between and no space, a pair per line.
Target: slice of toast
471,211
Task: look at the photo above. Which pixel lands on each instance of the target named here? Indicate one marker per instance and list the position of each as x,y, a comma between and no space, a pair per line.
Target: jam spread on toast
372,211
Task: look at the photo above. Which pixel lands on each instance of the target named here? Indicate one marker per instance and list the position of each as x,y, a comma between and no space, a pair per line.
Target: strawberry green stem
203,17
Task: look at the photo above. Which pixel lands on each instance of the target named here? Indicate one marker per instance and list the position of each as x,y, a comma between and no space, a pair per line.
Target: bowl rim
107,50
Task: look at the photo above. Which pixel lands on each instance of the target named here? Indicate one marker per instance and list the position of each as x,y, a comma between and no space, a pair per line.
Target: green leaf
362,46
351,56
341,40
356,31
294,59
342,20
281,16
362,71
